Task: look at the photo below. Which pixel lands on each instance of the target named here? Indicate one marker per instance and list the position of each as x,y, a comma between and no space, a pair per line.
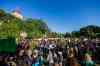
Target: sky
60,15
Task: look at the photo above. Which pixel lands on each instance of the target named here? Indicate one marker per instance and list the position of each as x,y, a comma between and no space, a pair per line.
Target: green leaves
35,28
2,12
11,26
90,30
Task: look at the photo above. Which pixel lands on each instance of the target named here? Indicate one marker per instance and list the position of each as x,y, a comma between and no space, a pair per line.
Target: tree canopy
11,26
91,31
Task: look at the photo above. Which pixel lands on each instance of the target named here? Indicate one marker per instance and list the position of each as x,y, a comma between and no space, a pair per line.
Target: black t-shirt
58,48
64,53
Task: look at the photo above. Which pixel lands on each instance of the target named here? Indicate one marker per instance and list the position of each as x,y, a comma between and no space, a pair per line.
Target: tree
67,34
75,34
55,35
11,26
43,26
35,27
90,30
2,13
97,35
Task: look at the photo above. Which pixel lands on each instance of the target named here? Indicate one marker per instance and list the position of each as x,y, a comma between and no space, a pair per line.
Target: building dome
17,13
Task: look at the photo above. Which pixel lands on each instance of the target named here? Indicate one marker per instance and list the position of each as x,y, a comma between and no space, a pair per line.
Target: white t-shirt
50,58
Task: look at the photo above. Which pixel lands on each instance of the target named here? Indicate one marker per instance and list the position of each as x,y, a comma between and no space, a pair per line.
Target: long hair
71,58
70,52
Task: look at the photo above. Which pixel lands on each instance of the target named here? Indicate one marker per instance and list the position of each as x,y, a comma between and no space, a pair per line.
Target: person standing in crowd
87,61
2,61
37,59
56,54
92,49
50,58
60,59
34,58
11,62
59,51
82,50
76,48
20,58
64,57
52,45
72,61
42,47
28,57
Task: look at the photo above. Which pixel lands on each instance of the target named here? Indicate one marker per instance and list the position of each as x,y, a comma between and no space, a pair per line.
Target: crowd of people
52,53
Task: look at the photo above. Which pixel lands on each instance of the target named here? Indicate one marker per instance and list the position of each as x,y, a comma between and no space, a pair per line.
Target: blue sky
60,15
